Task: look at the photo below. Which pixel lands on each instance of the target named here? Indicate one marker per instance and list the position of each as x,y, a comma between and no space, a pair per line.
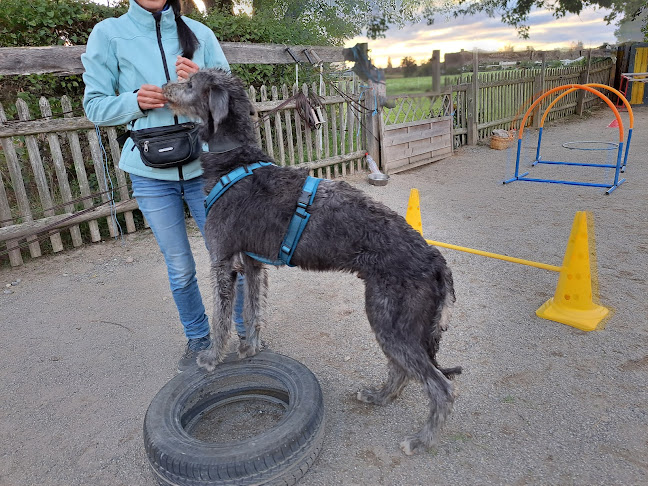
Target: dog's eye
189,84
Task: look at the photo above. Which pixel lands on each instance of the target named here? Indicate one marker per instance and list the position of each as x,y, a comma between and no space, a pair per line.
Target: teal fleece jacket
126,52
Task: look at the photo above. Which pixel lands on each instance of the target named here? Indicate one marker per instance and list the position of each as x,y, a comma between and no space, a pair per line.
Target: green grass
421,84
408,85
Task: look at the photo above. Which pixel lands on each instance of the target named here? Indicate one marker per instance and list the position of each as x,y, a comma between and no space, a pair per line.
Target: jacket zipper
158,32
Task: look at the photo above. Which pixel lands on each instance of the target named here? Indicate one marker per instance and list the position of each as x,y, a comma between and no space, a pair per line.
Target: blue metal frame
619,167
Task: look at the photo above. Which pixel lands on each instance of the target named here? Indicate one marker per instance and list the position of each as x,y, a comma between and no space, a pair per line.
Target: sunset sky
488,34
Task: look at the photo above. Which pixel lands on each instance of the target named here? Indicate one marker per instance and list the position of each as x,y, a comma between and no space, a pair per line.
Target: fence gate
416,131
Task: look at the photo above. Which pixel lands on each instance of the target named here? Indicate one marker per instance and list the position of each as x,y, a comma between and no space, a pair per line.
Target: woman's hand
150,96
185,67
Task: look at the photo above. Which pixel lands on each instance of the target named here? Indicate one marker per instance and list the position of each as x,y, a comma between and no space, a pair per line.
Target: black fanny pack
168,146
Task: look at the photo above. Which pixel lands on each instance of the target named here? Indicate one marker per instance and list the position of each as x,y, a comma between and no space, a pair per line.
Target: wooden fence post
584,79
473,102
538,89
436,71
371,127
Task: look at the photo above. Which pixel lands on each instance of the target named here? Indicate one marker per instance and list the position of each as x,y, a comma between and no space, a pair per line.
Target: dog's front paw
207,360
246,350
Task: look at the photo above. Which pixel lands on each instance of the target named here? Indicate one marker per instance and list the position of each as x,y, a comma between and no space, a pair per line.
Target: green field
423,84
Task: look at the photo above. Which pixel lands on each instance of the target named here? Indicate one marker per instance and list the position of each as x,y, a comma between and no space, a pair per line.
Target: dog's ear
218,105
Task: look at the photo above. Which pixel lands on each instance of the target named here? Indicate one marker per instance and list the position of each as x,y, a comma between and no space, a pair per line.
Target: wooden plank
333,161
61,173
79,168
267,130
17,128
308,135
317,135
15,257
66,60
298,132
99,169
351,117
38,171
115,153
62,221
396,126
397,153
18,185
279,130
289,128
418,135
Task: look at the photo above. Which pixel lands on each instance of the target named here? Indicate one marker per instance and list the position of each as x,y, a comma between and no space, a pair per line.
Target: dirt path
91,335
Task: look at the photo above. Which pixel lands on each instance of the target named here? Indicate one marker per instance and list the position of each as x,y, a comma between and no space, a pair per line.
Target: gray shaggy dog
408,286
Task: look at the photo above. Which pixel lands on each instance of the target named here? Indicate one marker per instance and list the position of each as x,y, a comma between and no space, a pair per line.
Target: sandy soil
91,335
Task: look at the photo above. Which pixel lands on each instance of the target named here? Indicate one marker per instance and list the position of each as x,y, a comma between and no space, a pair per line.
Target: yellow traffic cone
413,215
573,302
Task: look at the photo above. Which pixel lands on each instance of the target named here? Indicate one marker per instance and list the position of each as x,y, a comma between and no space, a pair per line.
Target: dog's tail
447,284
442,316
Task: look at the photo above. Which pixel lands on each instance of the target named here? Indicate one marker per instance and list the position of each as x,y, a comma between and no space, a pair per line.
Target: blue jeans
162,204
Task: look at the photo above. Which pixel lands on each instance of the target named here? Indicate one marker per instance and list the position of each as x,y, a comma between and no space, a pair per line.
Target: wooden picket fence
502,97
64,186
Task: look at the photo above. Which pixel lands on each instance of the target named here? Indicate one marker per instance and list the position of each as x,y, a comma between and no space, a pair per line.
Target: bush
47,23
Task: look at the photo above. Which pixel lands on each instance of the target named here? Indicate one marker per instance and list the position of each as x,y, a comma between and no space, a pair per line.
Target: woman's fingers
150,96
185,67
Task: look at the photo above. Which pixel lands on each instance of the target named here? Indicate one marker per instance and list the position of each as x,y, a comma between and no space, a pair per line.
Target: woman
126,62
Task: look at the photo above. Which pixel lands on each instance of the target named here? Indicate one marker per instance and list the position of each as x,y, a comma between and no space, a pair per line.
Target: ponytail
188,40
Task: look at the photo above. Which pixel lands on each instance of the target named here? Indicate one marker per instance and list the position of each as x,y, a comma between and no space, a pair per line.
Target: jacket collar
145,19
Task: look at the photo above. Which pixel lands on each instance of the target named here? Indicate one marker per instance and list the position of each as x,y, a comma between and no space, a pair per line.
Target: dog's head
214,96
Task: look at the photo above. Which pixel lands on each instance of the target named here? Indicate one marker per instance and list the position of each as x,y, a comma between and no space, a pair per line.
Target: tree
409,67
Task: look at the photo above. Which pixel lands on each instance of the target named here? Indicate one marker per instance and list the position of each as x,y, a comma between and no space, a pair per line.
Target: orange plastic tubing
594,85
573,87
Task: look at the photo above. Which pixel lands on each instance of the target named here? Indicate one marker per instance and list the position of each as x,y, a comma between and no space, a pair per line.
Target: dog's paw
371,395
412,445
207,360
245,350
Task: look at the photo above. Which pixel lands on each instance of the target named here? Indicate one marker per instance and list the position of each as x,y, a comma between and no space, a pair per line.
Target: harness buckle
304,199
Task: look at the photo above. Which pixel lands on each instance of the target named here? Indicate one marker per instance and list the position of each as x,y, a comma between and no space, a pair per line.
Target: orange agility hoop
621,159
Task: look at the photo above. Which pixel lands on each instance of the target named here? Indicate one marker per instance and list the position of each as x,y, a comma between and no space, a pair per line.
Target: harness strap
228,180
297,222
296,226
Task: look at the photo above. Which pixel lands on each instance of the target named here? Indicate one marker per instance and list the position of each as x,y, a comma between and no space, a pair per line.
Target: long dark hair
188,40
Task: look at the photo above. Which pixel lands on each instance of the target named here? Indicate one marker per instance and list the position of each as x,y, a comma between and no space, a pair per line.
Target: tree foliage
516,13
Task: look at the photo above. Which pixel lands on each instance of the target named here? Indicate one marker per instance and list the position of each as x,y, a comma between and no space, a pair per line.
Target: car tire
280,455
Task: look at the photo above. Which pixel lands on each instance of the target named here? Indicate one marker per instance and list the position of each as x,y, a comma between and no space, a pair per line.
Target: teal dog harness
297,222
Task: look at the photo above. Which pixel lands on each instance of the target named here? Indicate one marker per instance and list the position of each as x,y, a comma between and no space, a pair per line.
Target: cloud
489,34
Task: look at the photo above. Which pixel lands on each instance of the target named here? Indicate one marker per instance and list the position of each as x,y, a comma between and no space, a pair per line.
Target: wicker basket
502,143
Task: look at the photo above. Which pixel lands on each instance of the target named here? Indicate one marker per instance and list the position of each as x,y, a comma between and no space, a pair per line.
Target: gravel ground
91,335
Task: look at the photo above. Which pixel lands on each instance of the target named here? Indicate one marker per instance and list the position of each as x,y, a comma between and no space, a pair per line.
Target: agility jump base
622,157
573,302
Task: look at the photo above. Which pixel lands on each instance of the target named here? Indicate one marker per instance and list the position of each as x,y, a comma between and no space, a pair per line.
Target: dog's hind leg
396,381
414,361
223,277
256,294
441,395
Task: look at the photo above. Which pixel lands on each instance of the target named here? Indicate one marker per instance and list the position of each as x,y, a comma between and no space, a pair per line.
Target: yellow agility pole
413,217
573,302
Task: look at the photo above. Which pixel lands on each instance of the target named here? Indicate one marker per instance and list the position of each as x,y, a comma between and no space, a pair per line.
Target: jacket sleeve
101,102
214,56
